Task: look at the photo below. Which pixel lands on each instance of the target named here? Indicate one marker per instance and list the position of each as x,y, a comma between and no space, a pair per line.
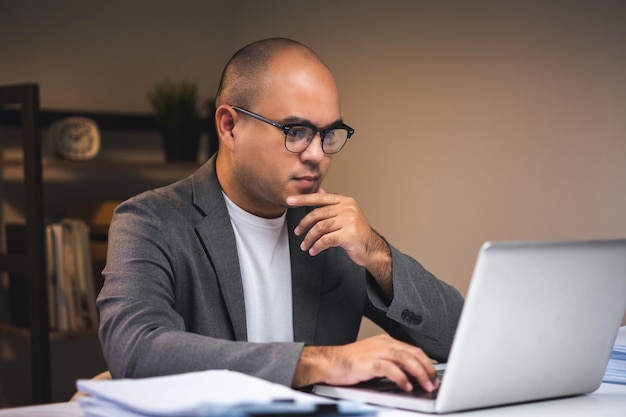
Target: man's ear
225,123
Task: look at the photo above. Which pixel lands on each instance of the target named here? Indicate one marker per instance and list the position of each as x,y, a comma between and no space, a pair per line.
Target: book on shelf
69,276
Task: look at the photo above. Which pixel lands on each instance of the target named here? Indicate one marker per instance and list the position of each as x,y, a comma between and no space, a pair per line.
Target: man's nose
314,151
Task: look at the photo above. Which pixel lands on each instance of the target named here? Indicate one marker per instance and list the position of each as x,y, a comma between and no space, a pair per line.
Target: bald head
247,73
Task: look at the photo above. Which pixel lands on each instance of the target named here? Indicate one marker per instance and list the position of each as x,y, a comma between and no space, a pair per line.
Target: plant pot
180,143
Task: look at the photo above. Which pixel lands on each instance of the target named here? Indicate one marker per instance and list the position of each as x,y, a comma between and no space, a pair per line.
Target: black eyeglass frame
287,127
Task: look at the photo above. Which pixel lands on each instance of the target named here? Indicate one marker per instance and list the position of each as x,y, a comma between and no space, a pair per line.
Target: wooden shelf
103,164
105,120
26,98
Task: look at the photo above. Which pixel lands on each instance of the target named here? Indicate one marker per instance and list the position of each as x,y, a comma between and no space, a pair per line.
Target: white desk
608,401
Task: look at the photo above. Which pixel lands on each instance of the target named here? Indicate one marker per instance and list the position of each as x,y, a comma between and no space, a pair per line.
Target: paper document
207,393
616,369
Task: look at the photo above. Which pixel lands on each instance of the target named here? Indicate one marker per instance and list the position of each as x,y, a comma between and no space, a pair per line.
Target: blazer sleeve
424,311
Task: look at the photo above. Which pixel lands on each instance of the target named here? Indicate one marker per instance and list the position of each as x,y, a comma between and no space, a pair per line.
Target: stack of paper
616,369
207,393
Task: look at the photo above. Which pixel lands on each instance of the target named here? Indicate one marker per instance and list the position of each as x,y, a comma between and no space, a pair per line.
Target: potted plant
176,107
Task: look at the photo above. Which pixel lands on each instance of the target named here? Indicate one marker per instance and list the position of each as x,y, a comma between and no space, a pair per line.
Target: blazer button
411,317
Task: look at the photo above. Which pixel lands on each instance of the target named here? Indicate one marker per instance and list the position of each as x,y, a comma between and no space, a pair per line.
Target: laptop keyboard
417,392
390,387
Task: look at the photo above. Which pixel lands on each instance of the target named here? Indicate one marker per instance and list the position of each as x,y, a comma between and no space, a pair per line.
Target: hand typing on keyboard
379,356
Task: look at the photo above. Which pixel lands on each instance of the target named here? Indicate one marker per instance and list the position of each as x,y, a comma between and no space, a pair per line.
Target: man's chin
306,188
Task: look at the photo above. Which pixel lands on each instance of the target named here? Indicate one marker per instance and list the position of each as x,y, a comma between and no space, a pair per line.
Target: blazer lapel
216,233
306,279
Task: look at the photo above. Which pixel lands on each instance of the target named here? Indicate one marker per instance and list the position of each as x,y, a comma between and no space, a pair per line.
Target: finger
321,233
415,363
395,374
312,200
313,218
422,377
325,241
420,368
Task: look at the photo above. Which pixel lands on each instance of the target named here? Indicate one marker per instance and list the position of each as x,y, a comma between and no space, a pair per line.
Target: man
250,265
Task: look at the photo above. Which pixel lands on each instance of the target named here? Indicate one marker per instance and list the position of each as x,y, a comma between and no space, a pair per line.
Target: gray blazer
173,302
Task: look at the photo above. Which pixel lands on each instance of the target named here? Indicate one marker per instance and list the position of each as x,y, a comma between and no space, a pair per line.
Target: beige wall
476,120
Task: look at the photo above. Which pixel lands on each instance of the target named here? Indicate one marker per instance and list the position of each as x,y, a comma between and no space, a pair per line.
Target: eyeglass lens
299,137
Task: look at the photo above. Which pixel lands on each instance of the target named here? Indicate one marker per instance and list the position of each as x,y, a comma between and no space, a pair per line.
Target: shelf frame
33,263
105,120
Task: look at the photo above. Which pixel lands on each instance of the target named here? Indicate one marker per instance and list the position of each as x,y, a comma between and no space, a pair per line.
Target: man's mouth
307,181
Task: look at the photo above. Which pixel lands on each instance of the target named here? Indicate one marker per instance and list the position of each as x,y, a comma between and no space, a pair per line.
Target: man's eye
300,132
330,137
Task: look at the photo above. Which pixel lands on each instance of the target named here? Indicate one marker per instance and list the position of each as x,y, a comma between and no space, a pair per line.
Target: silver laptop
539,322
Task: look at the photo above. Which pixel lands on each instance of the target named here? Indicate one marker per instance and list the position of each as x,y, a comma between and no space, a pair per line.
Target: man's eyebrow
299,120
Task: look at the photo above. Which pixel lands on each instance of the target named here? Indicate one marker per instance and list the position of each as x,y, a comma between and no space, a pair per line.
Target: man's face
267,173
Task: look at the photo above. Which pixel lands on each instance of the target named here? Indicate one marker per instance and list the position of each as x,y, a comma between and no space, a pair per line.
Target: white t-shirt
263,249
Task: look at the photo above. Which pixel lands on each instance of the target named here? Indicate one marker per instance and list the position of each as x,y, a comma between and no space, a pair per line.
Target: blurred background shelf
38,187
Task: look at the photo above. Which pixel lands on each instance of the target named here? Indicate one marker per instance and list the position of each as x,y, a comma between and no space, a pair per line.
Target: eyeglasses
298,136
